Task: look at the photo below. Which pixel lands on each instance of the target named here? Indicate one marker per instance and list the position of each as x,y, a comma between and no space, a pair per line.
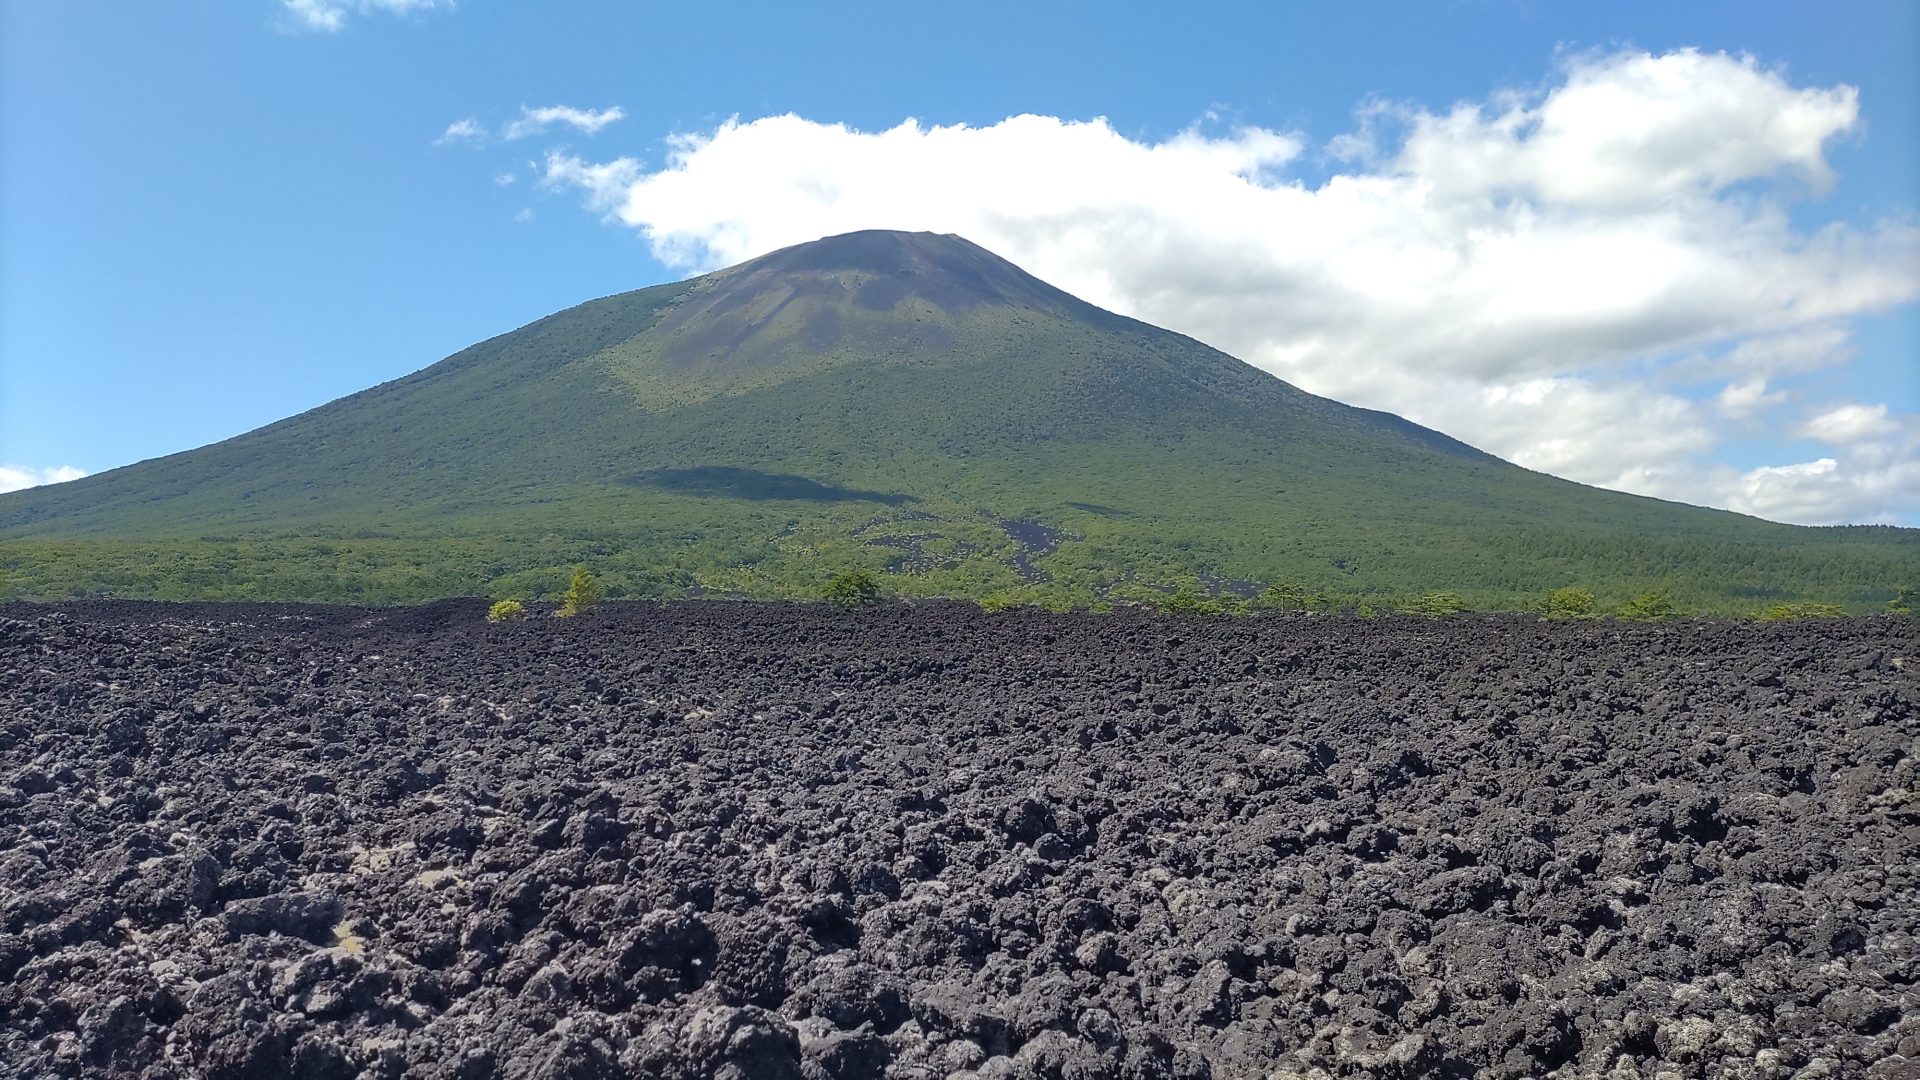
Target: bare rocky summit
784,841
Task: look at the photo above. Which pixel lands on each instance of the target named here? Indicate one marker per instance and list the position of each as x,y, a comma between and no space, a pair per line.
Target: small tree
581,594
1804,610
1287,595
853,588
1182,602
1652,605
1904,601
1570,603
1438,603
1189,600
506,611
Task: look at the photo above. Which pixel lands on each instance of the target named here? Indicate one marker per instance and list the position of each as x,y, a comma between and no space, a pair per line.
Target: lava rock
742,840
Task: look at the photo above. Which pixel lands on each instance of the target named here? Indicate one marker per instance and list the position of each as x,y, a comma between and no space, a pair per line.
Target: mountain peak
879,268
908,296
878,251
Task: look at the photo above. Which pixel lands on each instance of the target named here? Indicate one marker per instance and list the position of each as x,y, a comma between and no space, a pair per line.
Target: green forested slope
906,403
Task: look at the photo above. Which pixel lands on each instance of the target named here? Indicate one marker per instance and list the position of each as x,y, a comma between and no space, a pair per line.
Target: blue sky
215,214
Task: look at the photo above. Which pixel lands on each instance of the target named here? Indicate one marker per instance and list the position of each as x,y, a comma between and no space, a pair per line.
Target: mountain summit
879,270
903,296
909,402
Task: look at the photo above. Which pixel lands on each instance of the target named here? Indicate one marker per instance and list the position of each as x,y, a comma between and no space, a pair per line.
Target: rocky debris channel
760,841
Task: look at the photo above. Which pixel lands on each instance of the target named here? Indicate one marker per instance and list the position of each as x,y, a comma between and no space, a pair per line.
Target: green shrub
1904,601
1287,595
999,602
1190,601
506,611
1438,603
854,588
1571,603
1802,610
1653,605
583,593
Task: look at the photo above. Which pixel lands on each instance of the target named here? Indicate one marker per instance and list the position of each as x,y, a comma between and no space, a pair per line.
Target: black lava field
760,841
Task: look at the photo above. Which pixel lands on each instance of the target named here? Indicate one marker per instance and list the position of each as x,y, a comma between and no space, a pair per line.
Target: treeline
687,564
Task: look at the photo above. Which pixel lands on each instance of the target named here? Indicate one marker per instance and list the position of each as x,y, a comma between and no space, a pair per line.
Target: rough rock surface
914,842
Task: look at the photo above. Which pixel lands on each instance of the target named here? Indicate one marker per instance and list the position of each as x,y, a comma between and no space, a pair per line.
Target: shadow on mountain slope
737,483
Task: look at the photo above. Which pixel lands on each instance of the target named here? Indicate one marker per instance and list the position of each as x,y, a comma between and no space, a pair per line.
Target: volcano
908,403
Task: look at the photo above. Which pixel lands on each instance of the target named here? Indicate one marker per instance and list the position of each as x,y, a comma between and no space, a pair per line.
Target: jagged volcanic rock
786,841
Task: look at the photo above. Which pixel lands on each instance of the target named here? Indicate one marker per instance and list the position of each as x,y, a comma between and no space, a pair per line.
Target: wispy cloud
16,477
331,16
1598,277
1850,424
535,121
467,130
1747,397
472,132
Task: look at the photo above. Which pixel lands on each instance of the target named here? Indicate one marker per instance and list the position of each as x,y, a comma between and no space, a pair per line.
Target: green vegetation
1290,595
582,593
1191,600
1803,610
854,588
1652,605
1904,601
506,611
1437,603
1571,603
916,438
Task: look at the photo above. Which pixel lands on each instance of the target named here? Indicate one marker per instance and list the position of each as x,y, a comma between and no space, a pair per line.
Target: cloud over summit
1598,278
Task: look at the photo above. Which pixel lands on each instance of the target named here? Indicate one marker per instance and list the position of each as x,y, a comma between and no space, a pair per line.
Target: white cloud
530,122
1631,130
504,179
1850,424
330,16
1532,273
535,121
1874,486
1791,353
604,184
1747,397
1574,427
16,477
467,130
